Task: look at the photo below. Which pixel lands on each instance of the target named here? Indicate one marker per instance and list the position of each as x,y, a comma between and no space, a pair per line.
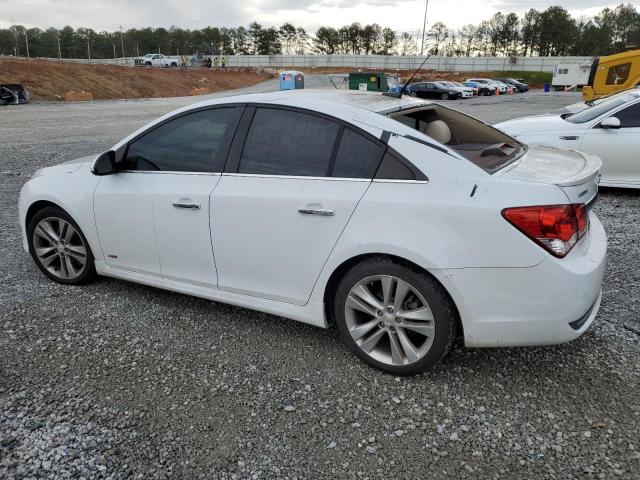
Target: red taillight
557,228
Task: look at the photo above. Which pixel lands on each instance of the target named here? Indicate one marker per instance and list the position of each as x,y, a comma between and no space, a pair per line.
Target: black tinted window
191,143
392,168
630,116
357,156
283,142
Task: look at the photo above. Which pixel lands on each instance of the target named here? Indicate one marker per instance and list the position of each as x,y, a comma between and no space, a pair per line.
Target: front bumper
508,307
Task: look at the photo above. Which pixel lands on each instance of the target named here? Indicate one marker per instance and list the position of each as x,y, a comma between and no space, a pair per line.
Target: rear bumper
508,307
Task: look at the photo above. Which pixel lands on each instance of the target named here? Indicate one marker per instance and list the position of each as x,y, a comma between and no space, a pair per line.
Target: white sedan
490,83
465,92
403,223
608,128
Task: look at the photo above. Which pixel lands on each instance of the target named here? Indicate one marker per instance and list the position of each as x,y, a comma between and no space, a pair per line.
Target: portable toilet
291,80
368,81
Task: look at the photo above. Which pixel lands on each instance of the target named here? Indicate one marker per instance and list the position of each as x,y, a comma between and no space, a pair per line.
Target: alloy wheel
59,248
389,320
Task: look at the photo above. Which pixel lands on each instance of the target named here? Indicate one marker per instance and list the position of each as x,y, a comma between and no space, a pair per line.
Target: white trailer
570,75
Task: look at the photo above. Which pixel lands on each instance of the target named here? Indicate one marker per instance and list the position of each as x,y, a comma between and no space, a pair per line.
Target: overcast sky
401,15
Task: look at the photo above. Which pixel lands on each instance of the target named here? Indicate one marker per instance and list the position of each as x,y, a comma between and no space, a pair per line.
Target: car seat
438,130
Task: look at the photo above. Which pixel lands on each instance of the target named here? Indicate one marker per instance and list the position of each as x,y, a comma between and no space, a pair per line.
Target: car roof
304,98
368,110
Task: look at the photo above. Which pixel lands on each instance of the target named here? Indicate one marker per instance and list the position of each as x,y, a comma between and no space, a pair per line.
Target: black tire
445,96
88,271
442,308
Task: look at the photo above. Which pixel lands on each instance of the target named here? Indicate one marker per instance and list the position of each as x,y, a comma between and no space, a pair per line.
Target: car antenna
406,84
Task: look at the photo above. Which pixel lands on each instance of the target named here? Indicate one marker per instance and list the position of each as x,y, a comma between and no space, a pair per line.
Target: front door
277,216
123,209
179,162
618,148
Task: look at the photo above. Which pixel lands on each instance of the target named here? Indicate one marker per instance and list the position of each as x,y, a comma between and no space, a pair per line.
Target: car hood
69,166
535,124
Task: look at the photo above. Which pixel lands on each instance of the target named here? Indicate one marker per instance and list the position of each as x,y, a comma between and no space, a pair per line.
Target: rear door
618,148
290,188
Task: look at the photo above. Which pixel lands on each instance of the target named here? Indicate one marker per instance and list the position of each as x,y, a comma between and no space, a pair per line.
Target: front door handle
187,206
323,212
569,137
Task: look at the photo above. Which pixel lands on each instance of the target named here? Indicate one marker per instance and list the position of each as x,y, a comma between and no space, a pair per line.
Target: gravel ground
117,380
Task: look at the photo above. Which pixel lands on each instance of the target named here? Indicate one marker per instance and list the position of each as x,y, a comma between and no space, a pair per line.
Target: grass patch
529,77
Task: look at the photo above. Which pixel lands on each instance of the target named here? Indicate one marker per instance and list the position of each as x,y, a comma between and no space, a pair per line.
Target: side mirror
611,122
105,164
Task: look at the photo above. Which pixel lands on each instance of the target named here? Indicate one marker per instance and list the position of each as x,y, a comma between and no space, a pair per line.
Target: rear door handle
569,137
323,212
187,206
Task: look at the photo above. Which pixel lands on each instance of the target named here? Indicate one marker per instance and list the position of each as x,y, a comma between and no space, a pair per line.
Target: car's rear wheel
59,247
394,318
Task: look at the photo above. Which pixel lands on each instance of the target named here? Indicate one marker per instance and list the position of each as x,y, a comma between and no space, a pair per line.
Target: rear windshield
481,144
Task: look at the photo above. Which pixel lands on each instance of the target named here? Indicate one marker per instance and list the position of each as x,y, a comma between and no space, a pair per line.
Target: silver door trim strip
167,172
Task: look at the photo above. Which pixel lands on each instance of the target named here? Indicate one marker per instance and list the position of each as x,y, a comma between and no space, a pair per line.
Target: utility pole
59,52
121,42
26,39
424,25
114,51
88,52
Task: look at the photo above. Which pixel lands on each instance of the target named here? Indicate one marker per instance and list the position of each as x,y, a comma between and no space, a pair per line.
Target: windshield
481,144
601,108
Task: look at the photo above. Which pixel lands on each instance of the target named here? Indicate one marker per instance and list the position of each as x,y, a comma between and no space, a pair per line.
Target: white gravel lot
117,380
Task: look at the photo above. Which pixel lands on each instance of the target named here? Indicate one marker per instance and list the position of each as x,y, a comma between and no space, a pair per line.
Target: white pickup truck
157,60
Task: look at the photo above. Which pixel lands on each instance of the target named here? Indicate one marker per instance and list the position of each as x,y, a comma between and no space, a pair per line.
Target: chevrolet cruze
402,223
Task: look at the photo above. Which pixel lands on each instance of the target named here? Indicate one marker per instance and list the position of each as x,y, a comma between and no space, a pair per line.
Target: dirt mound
47,80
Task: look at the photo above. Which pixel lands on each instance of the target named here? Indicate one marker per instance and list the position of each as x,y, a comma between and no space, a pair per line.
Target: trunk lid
576,173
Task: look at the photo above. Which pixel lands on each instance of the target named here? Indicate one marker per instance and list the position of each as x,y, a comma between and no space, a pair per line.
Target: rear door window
357,156
285,142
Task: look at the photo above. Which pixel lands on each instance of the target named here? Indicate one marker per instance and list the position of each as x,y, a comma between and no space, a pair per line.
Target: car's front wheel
59,247
394,318
445,96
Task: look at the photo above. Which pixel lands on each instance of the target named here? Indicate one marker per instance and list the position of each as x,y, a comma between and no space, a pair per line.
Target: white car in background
492,84
465,92
508,88
402,222
609,129
156,60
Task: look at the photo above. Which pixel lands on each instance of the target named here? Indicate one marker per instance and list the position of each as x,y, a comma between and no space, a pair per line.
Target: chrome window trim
391,180
170,172
330,179
295,177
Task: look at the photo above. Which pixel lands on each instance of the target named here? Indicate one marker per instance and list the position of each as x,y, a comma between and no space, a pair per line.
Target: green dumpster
368,81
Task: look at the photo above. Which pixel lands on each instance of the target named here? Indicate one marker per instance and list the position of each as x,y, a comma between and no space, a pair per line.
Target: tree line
549,32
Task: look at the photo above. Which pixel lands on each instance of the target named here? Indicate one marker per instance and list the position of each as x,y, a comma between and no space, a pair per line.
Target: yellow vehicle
613,73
